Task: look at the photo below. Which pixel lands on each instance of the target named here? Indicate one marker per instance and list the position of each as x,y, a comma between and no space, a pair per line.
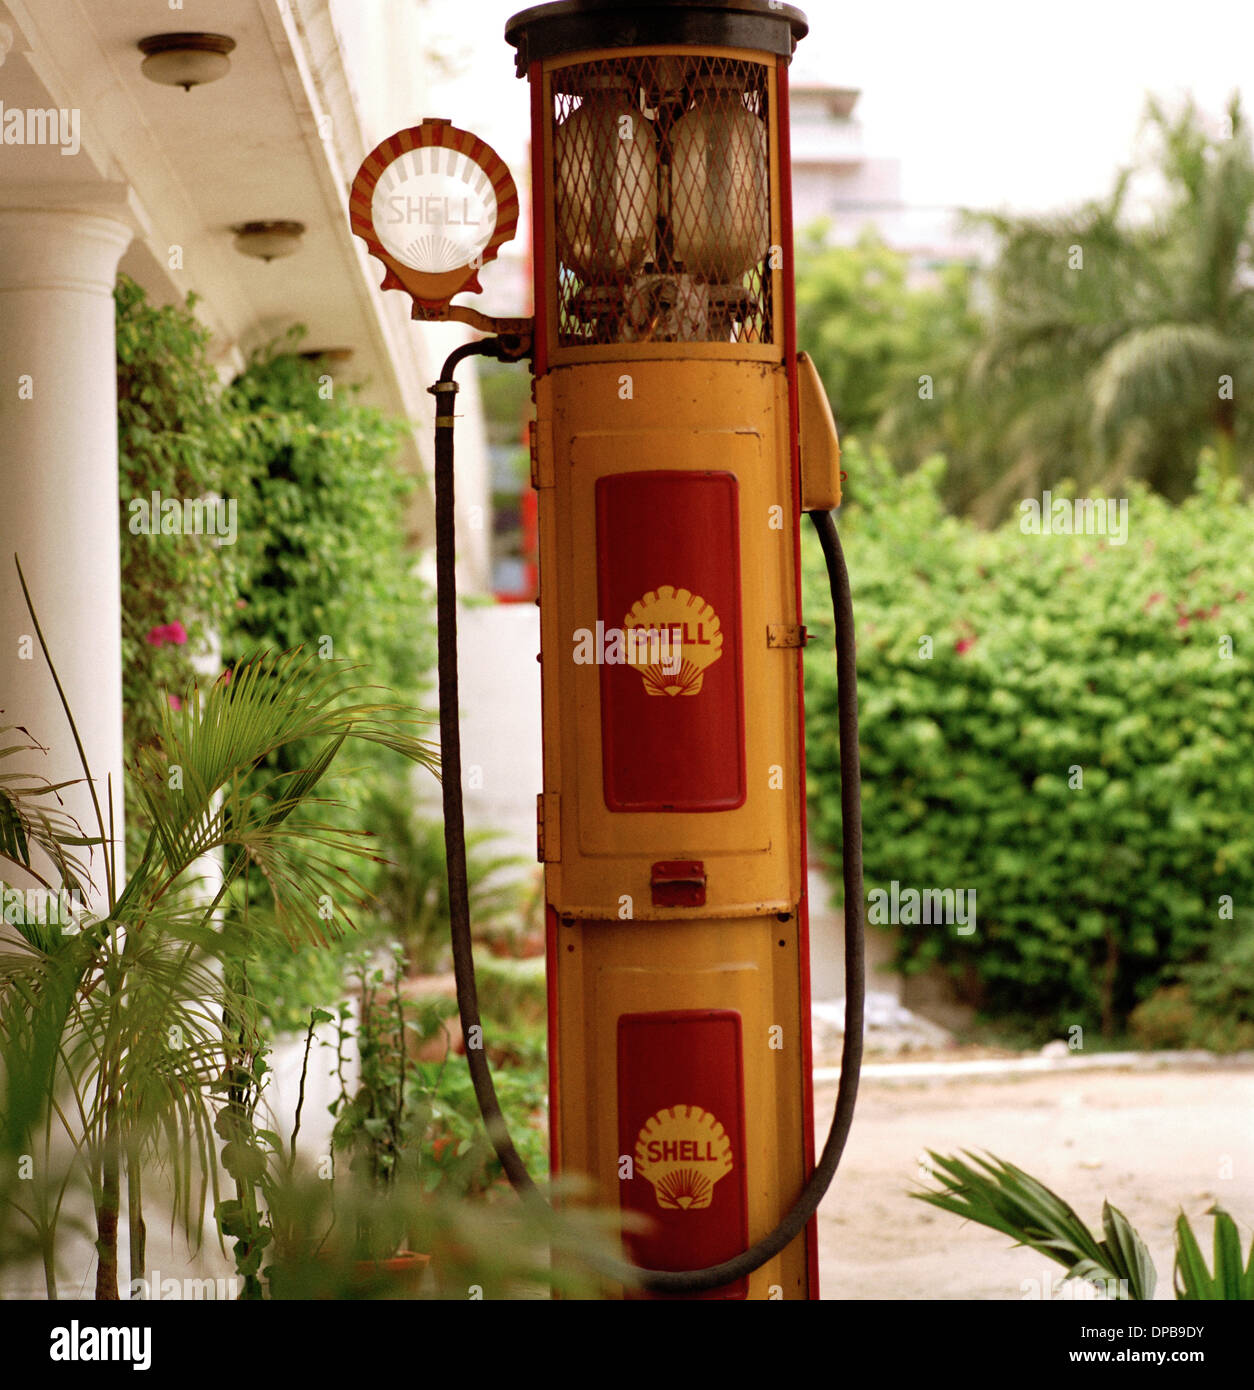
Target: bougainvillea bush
1062,723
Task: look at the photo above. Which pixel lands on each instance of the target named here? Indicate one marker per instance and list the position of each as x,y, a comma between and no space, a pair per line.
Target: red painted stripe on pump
668,641
539,241
794,444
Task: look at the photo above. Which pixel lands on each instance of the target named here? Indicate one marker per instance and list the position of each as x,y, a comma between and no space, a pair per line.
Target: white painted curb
1027,1066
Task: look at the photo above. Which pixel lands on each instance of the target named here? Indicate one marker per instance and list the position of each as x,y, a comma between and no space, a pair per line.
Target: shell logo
683,1151
678,635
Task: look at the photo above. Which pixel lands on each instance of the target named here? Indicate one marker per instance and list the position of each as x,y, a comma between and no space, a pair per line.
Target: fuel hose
511,348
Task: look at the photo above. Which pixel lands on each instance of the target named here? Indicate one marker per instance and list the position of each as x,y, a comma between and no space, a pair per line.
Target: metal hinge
786,635
540,444
548,828
532,433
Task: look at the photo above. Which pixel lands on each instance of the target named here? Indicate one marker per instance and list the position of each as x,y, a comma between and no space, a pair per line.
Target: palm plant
1112,347
122,1038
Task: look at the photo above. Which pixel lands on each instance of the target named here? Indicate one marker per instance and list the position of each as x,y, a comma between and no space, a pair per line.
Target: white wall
502,760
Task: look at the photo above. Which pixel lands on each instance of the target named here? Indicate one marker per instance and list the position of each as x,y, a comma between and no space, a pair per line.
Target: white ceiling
193,164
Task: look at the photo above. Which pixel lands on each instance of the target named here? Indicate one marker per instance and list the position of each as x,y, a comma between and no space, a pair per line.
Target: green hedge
322,523
1049,653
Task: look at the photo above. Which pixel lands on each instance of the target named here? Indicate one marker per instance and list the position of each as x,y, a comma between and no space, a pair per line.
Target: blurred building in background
836,179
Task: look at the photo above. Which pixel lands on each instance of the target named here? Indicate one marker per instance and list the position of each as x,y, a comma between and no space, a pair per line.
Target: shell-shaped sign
673,636
683,1151
434,204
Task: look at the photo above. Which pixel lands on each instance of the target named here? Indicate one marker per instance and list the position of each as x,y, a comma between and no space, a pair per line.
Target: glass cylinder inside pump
719,186
662,201
607,180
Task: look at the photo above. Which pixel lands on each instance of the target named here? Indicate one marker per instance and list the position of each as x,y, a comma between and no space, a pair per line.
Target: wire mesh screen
662,201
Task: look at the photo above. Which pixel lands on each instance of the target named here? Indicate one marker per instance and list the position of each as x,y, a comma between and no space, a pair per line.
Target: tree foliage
871,330
1100,345
1123,347
319,558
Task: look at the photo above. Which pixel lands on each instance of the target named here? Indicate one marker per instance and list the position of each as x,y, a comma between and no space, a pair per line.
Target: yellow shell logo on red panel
673,635
683,1151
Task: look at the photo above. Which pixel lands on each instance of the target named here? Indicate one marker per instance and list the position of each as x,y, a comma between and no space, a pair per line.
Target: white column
59,496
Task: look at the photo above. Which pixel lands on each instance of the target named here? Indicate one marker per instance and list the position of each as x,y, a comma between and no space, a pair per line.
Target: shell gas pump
678,437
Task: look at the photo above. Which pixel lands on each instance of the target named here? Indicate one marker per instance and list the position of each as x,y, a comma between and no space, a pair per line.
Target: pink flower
964,644
175,702
174,633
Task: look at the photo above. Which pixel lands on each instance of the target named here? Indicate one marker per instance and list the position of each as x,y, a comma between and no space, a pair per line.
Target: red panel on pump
672,698
681,1118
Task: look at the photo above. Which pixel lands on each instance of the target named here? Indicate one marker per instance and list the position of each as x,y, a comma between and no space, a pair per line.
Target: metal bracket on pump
485,323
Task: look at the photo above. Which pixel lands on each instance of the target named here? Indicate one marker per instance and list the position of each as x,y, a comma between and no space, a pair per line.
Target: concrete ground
1152,1142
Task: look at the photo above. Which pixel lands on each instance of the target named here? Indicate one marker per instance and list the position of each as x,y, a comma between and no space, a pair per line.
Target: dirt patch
1152,1143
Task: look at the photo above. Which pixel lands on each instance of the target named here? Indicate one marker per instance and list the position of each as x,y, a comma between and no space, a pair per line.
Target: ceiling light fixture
266,241
185,60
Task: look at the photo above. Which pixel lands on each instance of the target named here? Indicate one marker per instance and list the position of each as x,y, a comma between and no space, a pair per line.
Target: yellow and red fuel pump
678,437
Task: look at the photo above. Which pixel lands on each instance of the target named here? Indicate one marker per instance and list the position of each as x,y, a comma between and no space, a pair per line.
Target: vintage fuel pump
678,438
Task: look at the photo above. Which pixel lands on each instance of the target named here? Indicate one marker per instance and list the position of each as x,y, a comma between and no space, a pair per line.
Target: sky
1012,104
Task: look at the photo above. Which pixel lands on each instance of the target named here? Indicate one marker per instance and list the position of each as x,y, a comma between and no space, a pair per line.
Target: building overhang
277,138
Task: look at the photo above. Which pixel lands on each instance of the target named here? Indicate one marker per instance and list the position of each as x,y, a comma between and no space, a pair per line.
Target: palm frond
1230,1281
130,1017
996,1194
34,822
200,792
1156,372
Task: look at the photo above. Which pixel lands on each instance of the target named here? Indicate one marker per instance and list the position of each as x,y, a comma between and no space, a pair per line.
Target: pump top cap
577,26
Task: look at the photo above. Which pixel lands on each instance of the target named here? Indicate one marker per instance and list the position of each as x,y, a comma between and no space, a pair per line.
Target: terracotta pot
403,1272
415,987
397,1277
524,947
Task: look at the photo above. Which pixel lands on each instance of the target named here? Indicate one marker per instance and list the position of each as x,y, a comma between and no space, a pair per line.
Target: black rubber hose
795,1219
